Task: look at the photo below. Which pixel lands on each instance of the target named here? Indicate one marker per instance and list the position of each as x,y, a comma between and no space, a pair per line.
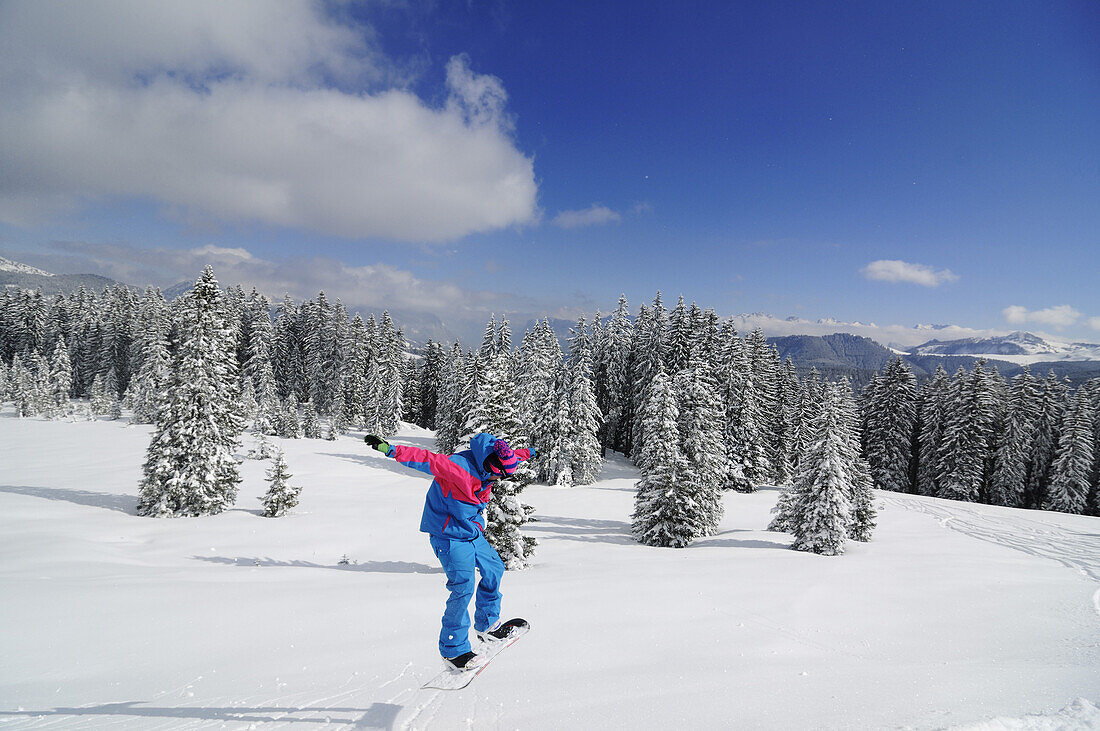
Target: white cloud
594,215
247,112
1094,323
894,270
1057,317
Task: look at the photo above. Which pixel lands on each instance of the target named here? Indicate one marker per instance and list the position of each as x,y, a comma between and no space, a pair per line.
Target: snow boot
501,630
465,661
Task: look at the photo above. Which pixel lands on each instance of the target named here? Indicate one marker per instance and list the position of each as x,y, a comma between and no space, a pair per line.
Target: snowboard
451,679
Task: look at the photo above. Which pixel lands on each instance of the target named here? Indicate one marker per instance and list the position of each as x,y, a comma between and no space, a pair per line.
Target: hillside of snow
7,265
956,615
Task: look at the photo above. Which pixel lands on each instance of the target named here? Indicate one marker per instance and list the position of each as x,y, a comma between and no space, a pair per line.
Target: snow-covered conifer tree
862,497
190,467
449,410
311,425
823,486
701,429
1010,462
614,397
1052,405
584,418
746,449
664,512
61,378
1070,477
933,405
290,423
889,424
281,496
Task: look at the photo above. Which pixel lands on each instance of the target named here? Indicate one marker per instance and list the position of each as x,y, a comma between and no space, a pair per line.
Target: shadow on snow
373,567
378,715
119,503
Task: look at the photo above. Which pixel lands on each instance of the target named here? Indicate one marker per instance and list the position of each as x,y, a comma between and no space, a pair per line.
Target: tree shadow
587,530
378,715
119,503
378,463
372,567
733,543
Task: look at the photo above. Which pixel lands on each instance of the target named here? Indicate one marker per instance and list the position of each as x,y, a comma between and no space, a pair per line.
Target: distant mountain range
1018,347
859,358
14,274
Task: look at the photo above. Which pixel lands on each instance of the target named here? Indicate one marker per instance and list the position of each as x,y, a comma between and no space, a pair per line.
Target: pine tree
311,425
822,489
1070,476
281,496
764,363
889,424
647,357
960,460
584,420
664,511
61,379
391,365
863,512
933,406
701,422
190,468
449,416
1009,480
790,401
746,448
1052,405
540,362
290,424
101,402
615,402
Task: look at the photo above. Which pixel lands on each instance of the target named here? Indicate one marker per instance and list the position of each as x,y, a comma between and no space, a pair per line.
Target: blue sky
885,162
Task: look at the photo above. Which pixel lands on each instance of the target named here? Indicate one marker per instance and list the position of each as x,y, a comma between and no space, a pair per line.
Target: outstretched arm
454,478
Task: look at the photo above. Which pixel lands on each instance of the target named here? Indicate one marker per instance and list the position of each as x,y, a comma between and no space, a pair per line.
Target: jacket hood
482,446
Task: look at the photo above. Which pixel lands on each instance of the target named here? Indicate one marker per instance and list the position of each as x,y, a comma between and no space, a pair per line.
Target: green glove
378,443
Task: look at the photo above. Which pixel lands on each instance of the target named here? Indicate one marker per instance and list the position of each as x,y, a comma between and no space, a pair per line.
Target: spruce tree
889,424
1052,405
61,379
1070,476
746,444
190,468
822,489
584,420
1009,479
701,429
863,512
933,406
281,496
290,424
311,425
664,511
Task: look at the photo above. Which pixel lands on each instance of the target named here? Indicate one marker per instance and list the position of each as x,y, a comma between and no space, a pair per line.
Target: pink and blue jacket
455,505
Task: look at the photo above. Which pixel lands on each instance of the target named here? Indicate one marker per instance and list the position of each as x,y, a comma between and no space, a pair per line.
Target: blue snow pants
459,558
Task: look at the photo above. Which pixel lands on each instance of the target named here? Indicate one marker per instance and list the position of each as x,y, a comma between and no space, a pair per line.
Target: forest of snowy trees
697,406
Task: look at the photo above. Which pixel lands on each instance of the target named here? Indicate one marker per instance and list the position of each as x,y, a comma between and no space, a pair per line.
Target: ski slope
956,615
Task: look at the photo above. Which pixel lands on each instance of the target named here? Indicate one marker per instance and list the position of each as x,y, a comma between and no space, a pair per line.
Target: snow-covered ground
955,615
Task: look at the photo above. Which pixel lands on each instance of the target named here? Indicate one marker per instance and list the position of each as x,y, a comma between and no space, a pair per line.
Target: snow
7,265
955,615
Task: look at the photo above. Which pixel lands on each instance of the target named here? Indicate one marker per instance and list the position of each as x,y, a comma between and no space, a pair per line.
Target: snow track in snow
1078,550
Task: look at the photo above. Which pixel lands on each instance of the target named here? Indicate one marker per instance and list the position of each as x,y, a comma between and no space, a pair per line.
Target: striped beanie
503,460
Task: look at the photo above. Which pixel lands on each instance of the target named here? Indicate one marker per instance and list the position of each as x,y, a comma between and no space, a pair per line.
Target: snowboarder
454,521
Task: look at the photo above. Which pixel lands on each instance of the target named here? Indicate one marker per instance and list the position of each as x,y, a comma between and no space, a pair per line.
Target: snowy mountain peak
7,265
1018,347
